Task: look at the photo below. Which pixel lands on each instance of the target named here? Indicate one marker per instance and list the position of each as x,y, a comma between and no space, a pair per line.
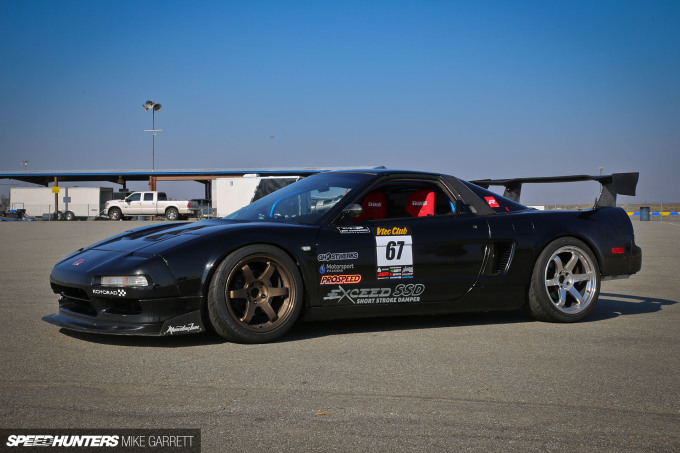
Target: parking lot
492,382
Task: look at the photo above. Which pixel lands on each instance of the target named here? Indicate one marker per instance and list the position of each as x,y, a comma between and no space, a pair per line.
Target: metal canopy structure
204,176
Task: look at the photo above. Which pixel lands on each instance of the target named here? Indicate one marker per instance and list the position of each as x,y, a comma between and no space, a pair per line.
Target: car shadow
609,306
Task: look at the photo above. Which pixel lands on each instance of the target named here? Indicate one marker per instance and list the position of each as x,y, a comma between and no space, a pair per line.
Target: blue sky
475,89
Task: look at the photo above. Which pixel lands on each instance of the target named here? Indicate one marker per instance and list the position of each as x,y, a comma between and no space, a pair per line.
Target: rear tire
69,216
171,213
565,284
256,295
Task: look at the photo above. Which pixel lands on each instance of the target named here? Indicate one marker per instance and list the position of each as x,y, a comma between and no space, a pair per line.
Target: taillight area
618,250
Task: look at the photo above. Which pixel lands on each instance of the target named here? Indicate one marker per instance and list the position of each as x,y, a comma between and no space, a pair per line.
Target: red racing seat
421,203
375,207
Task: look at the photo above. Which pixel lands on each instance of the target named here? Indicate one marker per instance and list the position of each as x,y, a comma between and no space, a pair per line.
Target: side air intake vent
499,258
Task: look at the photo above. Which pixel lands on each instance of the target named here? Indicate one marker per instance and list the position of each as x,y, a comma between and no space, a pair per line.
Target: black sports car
351,244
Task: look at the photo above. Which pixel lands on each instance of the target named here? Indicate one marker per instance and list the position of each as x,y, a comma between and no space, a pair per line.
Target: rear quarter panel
602,229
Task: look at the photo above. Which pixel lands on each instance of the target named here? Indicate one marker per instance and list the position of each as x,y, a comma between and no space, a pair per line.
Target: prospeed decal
393,248
337,279
402,293
332,268
339,256
353,229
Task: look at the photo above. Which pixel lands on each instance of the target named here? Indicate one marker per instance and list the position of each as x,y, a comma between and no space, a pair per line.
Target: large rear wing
616,183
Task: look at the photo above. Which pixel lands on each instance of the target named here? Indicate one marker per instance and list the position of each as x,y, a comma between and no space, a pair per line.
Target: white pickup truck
150,203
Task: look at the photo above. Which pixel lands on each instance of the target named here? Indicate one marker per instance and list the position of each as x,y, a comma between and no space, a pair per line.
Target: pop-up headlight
125,281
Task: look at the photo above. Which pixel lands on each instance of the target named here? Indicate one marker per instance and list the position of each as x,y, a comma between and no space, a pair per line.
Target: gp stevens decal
337,256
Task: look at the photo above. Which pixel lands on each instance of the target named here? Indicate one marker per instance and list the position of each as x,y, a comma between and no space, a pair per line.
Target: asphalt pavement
470,382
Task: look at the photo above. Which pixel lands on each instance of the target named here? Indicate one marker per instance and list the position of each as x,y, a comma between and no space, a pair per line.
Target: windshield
304,202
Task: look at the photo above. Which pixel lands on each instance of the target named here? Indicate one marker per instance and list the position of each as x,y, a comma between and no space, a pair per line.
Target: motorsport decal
109,292
353,229
76,263
393,272
332,268
337,256
337,279
400,294
393,249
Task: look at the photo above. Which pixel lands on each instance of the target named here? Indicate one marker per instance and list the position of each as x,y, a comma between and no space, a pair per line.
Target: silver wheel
565,283
570,280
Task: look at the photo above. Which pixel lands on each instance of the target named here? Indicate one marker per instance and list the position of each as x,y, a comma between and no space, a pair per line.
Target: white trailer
231,194
73,202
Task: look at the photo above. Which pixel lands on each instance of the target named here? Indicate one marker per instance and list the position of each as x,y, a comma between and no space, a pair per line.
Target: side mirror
353,210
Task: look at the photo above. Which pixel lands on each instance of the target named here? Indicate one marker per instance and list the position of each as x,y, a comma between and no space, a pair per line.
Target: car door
409,256
132,205
148,205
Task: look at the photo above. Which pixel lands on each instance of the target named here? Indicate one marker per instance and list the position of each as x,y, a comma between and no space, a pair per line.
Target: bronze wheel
255,295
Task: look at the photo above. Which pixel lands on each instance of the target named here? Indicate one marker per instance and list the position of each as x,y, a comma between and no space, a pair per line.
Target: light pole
150,105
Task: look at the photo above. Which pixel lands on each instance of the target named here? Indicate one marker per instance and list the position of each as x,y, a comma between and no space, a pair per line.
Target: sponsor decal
492,202
402,293
394,231
395,272
353,229
75,263
109,292
419,203
339,256
337,279
332,268
185,328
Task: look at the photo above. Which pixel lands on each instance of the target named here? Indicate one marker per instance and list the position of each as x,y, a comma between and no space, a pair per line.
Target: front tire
115,214
256,295
565,284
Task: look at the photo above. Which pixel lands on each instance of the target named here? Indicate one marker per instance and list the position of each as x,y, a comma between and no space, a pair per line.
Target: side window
134,197
148,197
397,199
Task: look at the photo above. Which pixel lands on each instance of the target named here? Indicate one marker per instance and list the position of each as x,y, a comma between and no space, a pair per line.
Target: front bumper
152,317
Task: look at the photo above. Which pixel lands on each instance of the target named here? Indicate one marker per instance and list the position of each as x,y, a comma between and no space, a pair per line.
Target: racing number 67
390,250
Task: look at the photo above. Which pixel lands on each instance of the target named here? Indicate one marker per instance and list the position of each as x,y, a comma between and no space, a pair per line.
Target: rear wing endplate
612,185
